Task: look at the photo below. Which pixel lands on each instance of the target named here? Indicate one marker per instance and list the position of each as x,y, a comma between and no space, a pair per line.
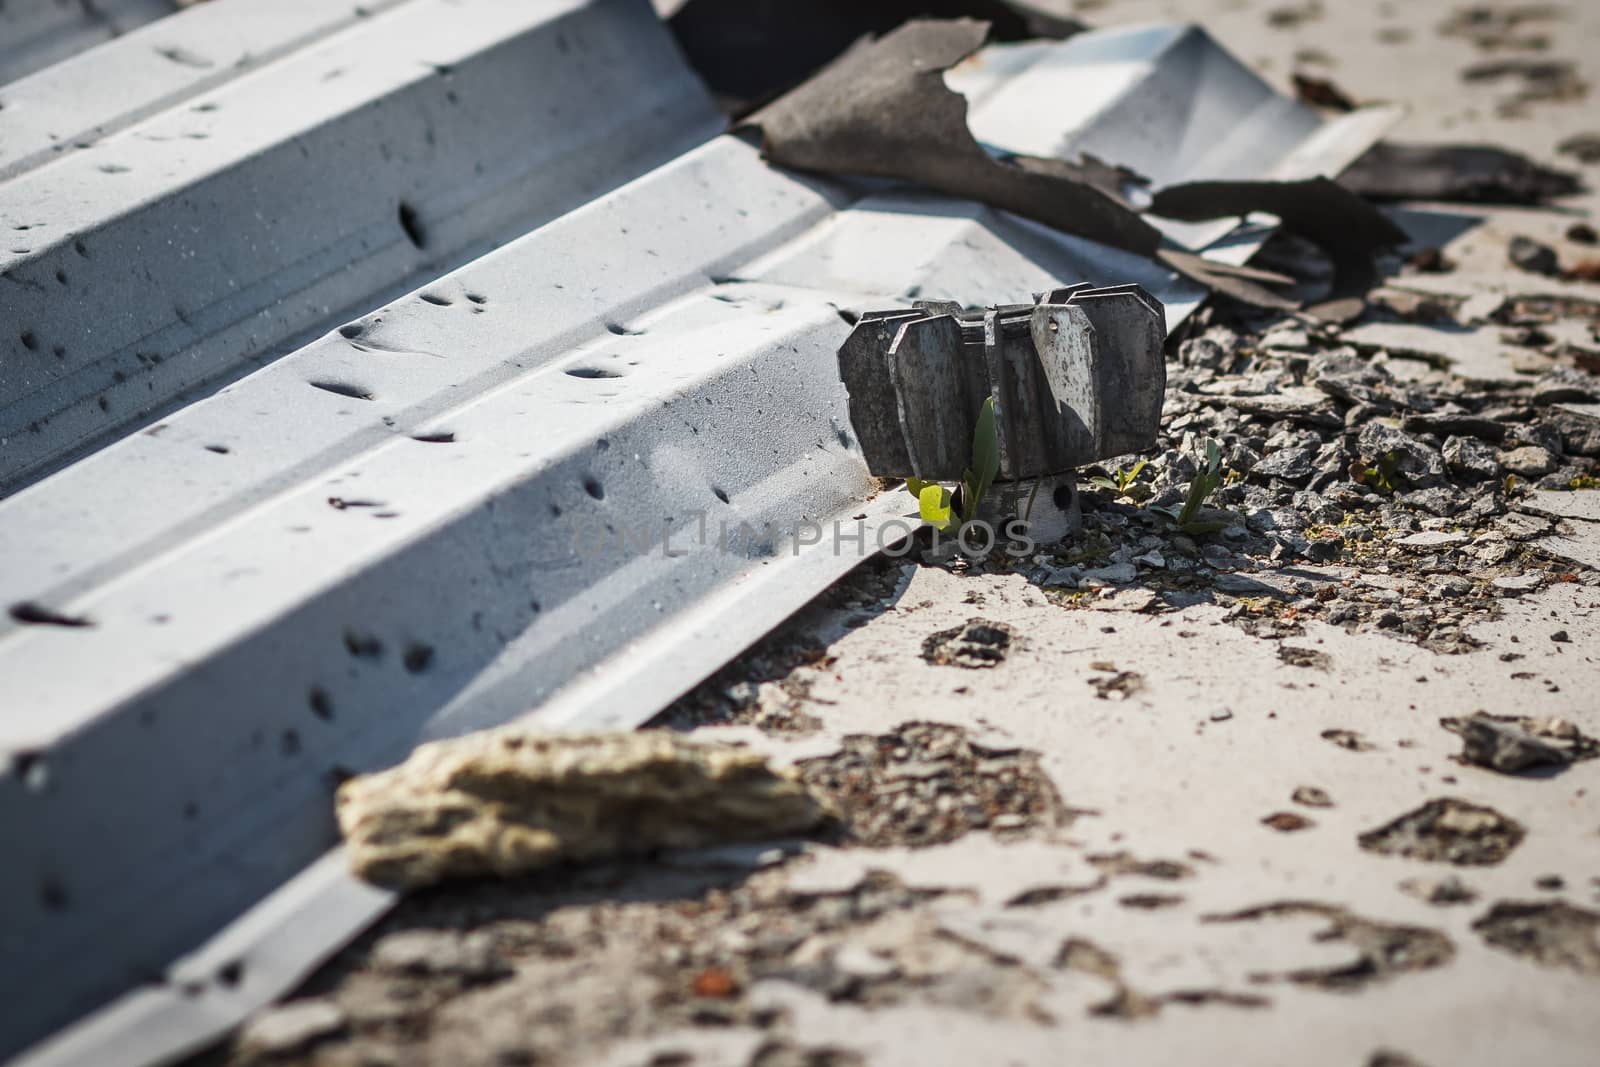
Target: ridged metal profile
37,33
474,502
74,103
197,243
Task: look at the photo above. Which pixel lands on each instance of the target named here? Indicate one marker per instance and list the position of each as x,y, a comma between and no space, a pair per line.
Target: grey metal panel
200,239
36,33
230,586
382,538
82,99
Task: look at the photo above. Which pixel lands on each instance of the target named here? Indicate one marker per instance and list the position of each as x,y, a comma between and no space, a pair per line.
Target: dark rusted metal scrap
1076,376
883,109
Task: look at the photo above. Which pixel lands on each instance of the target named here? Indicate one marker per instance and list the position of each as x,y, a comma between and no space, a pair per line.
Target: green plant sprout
1204,484
1121,480
940,506
1383,475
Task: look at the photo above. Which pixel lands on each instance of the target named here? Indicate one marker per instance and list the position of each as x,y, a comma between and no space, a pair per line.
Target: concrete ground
1130,828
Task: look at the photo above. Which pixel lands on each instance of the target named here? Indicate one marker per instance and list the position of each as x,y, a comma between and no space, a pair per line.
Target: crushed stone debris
1383,949
1447,830
507,801
1448,890
1349,739
977,643
1551,933
928,783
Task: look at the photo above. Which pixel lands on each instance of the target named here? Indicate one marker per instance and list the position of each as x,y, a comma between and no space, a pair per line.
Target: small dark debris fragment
1120,685
1321,92
1430,261
1046,894
1443,891
1505,744
786,1054
32,613
1384,949
1312,797
1150,901
1549,933
1447,830
977,643
1304,657
1385,1057
1584,147
1118,864
1527,254
1288,822
1463,173
1583,234
1348,739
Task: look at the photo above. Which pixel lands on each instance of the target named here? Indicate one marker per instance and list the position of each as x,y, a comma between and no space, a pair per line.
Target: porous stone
508,801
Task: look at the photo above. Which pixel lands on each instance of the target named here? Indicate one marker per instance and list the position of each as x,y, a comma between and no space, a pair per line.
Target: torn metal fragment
1347,228
884,109
507,801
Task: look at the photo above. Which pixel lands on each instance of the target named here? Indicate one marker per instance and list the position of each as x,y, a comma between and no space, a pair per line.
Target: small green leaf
985,467
1105,483
915,486
986,446
934,504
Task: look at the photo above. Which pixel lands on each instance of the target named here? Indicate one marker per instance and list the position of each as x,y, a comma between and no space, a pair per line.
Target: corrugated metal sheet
569,479
194,243
36,33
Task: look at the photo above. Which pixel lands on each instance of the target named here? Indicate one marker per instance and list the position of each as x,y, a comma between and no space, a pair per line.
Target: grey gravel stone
1517,584
1501,745
1530,461
1530,255
1471,459
1420,465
